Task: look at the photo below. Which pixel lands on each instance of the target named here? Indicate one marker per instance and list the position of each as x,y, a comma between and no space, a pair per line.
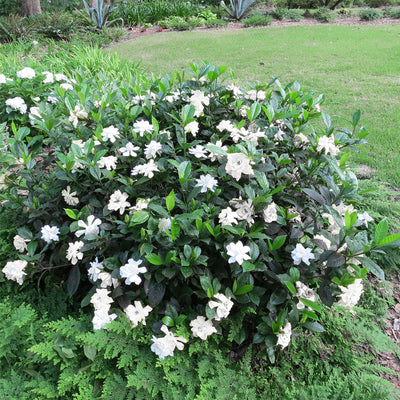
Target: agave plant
100,14
238,8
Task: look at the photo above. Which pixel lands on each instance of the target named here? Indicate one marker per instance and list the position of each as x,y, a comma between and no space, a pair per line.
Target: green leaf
356,118
139,217
32,246
90,352
70,213
381,231
170,201
308,303
350,219
372,267
327,119
248,266
216,150
73,280
294,274
205,283
154,259
278,242
314,195
291,287
314,326
389,239
244,289
167,320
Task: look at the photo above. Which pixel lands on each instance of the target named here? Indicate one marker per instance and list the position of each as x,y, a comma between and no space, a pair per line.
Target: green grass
355,66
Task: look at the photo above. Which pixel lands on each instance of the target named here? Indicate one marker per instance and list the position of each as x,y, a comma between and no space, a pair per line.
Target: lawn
355,66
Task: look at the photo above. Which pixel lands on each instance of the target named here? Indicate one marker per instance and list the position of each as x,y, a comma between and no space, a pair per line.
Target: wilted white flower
89,229
109,162
95,269
327,144
66,86
223,306
166,345
244,209
284,338
206,182
141,204
351,294
227,217
110,133
69,197
118,202
50,233
102,318
365,218
131,271
300,140
237,252
304,292
106,279
17,103
270,213
143,126
73,253
299,254
129,150
202,328
238,164
137,313
243,111
324,240
26,73
235,90
78,113
52,99
192,127
20,243
152,149
14,271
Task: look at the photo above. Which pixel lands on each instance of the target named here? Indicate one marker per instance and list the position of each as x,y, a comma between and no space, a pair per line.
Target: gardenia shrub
188,206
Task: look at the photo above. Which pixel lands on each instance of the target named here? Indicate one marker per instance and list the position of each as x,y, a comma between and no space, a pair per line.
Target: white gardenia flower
365,218
49,77
300,254
78,113
166,345
14,271
141,204
61,77
110,133
237,252
227,217
52,99
199,151
152,149
304,292
146,169
164,224
73,253
243,111
239,135
206,182
50,233
106,279
300,140
238,164
244,209
102,318
16,103
143,126
34,114
284,338
26,73
20,243
90,229
202,328
197,100
101,299
270,213
129,150
66,86
137,313
95,269
118,202
327,144
131,271
225,125
235,90
223,306
109,162
3,79
69,197
192,127
351,294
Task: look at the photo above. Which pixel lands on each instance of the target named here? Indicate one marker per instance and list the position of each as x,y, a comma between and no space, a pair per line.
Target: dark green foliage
286,14
370,15
324,14
8,7
395,14
257,18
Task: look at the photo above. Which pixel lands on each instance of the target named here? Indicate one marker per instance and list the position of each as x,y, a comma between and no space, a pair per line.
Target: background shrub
324,14
257,18
370,15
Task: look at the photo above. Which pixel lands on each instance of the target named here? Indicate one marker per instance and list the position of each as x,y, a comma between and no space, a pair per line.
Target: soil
353,19
392,321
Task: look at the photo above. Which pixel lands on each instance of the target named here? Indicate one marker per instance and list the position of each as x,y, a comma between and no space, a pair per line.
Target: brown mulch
134,33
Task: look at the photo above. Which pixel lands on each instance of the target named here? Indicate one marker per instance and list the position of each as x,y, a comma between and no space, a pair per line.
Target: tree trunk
93,3
30,7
